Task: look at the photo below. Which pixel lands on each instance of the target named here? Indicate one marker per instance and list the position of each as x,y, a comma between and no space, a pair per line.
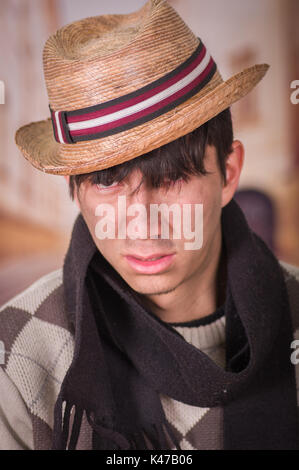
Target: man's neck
196,297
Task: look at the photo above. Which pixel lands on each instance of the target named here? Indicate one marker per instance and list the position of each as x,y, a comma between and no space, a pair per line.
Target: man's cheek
89,213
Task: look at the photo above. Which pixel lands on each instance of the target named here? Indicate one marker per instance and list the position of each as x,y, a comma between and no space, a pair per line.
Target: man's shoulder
291,276
42,300
33,296
36,316
290,270
37,344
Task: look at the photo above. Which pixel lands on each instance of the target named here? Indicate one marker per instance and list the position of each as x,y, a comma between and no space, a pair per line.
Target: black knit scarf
125,356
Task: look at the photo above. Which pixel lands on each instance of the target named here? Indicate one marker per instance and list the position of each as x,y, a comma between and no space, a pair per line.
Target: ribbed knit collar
206,336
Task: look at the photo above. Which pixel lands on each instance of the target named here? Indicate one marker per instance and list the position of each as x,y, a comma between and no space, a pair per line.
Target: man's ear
233,166
67,179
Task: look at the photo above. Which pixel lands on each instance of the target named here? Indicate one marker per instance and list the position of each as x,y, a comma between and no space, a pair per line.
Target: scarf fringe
155,437
63,438
158,437
76,428
172,436
58,422
109,434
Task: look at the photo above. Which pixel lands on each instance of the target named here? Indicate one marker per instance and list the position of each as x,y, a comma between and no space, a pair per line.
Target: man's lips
150,264
148,257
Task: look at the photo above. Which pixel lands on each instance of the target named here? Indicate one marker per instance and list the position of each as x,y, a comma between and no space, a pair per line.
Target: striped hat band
138,107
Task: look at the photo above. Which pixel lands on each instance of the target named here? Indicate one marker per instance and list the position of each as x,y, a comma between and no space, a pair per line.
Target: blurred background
36,214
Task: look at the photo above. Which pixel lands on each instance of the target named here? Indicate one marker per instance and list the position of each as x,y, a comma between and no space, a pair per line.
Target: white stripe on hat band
58,128
146,103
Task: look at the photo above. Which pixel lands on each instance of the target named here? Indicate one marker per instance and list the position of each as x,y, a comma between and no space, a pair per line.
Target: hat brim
37,144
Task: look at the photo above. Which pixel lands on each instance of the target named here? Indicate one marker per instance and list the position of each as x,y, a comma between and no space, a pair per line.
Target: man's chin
152,284
150,290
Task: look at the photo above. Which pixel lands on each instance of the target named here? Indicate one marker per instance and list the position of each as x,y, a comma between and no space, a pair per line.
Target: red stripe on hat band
140,98
147,111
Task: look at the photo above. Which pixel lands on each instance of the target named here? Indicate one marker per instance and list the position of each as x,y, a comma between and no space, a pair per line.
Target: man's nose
139,203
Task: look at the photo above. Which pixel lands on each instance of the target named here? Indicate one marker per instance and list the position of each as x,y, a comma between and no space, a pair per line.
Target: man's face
177,264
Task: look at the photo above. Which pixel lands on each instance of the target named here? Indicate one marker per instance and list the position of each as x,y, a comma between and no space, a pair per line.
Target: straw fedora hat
120,86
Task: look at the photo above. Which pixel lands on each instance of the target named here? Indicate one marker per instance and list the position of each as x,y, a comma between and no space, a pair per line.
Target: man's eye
107,186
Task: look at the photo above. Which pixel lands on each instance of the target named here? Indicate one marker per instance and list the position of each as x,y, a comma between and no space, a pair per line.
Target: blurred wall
36,214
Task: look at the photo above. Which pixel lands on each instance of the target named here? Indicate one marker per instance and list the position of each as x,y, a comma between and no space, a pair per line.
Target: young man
145,340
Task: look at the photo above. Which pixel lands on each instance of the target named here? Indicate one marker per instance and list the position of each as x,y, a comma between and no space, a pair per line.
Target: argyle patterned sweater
36,349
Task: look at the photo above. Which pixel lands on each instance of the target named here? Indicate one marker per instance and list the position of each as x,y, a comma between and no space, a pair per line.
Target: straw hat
120,86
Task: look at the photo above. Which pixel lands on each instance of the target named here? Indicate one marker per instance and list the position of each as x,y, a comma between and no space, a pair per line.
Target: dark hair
178,159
